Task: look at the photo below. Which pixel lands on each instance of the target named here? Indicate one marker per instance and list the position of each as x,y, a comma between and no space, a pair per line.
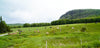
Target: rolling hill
81,13
16,24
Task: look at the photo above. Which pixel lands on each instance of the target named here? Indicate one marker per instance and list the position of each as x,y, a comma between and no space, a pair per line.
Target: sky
41,11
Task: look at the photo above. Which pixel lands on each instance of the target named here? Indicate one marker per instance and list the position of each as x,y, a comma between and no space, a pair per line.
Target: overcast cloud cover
36,11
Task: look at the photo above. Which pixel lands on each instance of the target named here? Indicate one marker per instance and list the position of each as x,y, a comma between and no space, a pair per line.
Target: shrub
94,44
83,29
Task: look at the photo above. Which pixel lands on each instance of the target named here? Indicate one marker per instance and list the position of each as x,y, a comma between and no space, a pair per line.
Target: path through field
4,34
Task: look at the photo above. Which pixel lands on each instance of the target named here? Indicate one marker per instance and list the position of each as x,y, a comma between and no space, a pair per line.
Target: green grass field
59,36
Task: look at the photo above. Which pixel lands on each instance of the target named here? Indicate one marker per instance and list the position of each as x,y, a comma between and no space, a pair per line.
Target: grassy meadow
57,36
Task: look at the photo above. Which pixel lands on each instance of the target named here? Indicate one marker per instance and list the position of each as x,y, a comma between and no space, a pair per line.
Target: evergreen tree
3,26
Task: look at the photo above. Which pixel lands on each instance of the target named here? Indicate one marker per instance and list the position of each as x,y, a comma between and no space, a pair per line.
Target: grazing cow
62,44
50,27
64,37
12,33
34,31
57,27
67,25
16,31
19,31
47,33
38,31
72,27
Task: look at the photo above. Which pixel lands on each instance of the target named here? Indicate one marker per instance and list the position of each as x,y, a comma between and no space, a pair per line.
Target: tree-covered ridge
81,13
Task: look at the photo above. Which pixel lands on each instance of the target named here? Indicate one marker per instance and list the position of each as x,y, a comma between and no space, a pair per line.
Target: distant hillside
81,13
17,24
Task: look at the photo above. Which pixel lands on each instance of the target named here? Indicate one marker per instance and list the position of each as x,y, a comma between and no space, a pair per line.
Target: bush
94,44
83,29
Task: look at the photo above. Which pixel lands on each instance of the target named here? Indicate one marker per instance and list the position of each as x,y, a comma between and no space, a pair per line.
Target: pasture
57,36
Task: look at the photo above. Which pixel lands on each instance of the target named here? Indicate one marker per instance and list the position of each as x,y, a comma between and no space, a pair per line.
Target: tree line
65,21
36,24
72,21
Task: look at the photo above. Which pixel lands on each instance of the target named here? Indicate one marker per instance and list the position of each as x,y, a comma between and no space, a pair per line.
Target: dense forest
81,13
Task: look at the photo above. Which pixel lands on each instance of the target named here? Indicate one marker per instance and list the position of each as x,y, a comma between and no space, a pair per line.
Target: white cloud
21,16
21,11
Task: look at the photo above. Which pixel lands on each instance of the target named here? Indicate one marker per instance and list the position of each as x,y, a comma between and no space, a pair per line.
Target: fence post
81,42
46,44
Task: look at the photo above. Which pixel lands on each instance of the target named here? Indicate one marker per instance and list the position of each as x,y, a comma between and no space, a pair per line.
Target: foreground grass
64,37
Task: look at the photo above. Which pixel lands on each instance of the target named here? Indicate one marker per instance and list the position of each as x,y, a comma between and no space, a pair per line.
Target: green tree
26,25
3,27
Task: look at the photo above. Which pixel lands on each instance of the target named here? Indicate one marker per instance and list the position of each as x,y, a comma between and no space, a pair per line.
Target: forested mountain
81,13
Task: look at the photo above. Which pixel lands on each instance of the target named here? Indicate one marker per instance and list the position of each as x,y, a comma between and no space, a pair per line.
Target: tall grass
66,37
